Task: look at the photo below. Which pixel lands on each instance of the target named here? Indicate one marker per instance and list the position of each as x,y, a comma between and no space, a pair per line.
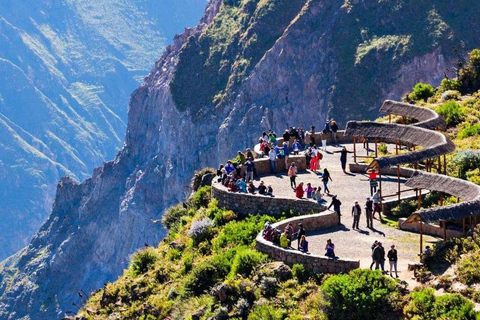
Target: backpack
320,155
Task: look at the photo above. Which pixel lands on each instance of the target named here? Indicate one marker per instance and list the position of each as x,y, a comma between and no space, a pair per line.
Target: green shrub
202,197
299,272
422,91
187,262
470,131
466,160
451,111
245,261
382,148
201,230
173,216
240,232
361,294
143,261
173,254
267,312
425,305
474,176
468,270
450,84
202,277
404,209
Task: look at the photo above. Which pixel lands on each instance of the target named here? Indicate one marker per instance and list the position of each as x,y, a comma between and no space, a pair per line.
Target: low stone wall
245,203
341,138
262,165
429,229
311,262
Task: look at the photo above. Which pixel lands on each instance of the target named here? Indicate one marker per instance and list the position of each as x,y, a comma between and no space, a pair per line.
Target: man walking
377,198
392,258
273,160
374,245
356,212
336,207
369,212
379,256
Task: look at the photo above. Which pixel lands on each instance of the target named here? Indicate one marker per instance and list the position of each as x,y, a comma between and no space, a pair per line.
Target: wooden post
396,147
444,230
444,164
380,186
398,180
441,199
355,149
421,238
389,118
376,147
439,170
419,199
414,147
464,227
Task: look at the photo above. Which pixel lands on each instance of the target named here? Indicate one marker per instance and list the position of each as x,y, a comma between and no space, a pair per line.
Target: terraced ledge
315,263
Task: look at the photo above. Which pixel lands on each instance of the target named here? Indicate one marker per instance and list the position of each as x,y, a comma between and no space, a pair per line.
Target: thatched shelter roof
434,144
426,118
463,189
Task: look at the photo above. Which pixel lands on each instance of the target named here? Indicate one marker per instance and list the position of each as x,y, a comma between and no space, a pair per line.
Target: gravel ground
349,243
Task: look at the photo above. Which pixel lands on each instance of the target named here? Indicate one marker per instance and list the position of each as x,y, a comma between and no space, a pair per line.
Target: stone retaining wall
311,262
245,203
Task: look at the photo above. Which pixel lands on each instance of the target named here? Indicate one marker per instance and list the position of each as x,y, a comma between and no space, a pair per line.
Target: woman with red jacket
299,190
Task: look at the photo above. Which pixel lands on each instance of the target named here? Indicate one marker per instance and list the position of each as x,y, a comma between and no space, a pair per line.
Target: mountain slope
329,58
67,69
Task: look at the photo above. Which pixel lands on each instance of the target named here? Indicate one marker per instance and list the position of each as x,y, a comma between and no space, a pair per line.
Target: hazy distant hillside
67,69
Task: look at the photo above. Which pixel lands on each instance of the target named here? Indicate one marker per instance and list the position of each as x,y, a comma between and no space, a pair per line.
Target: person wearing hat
356,212
369,212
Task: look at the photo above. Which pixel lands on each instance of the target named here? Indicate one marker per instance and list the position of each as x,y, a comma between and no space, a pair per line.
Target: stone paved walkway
349,243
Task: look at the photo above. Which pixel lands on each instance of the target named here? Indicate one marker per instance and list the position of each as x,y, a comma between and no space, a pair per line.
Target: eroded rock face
316,69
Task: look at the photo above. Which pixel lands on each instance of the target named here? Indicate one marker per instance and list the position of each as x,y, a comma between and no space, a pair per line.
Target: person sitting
219,170
303,247
223,175
290,233
242,186
266,149
229,168
284,240
286,136
276,237
270,190
299,190
318,194
267,232
251,188
232,186
262,189
296,146
330,249
272,138
309,190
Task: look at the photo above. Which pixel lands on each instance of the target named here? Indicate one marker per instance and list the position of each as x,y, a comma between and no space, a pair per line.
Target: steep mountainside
259,64
67,69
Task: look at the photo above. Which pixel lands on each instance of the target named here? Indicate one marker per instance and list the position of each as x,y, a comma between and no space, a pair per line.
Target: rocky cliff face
66,76
332,58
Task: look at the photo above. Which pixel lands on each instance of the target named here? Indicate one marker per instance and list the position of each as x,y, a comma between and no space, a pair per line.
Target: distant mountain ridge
67,69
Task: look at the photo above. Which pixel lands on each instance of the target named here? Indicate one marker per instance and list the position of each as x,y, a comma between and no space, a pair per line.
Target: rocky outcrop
334,58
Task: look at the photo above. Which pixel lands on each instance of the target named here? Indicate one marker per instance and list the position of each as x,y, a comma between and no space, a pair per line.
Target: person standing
334,127
299,190
292,173
369,212
286,153
377,207
356,212
303,245
325,178
273,160
379,256
336,206
372,176
392,259
249,170
374,245
343,158
300,234
314,159
323,137
286,137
